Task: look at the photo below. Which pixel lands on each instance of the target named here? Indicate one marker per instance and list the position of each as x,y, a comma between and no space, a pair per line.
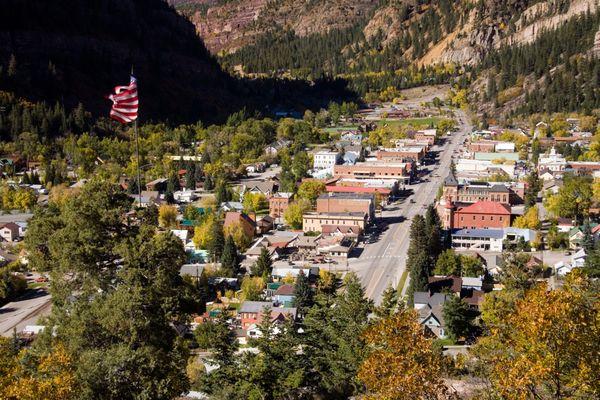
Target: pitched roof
285,290
486,207
450,180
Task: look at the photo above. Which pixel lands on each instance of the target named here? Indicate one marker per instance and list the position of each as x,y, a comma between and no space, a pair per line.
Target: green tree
293,214
448,263
310,190
389,303
263,265
419,260
116,293
458,318
217,240
230,264
303,294
222,192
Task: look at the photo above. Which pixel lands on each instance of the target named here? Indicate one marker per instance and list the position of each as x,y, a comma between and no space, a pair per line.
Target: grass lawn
402,281
445,342
37,285
416,122
336,129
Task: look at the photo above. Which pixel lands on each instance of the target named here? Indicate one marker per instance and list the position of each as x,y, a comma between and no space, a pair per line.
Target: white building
326,159
553,162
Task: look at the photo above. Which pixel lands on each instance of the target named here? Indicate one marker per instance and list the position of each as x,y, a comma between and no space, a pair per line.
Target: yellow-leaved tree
26,376
402,363
547,346
167,216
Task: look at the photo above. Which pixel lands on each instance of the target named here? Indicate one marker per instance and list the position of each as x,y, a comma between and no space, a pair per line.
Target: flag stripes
125,102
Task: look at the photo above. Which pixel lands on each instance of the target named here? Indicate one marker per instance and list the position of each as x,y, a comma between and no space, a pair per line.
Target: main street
383,262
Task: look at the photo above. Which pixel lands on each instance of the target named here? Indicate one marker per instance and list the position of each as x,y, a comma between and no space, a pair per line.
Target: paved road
382,263
24,311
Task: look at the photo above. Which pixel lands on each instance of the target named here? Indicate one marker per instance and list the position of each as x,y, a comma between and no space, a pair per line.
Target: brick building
479,215
477,191
278,203
314,222
346,202
367,170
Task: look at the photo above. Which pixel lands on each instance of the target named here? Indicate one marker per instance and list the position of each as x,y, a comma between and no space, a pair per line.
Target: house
445,284
252,312
9,232
265,224
147,198
489,239
577,234
264,187
276,146
232,206
564,224
285,295
335,247
193,270
326,159
278,203
233,218
185,196
281,269
430,310
159,185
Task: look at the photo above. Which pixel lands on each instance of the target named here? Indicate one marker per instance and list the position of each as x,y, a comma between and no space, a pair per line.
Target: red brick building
479,215
482,215
278,203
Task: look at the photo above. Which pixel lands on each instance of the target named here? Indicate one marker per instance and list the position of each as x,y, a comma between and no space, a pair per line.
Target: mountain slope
74,51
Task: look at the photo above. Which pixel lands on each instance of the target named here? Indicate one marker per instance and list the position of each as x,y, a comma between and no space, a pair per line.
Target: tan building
314,222
346,202
400,171
415,153
457,193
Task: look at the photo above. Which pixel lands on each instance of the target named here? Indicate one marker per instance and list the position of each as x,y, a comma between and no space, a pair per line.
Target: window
501,218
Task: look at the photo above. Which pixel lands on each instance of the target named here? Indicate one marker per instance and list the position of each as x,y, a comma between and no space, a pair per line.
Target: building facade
314,222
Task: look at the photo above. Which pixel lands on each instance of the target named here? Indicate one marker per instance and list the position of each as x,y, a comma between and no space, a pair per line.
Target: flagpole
137,156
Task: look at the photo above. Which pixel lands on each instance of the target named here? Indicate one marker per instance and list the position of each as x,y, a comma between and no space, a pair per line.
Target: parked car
41,279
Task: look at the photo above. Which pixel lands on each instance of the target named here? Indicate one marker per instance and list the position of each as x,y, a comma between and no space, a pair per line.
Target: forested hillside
517,56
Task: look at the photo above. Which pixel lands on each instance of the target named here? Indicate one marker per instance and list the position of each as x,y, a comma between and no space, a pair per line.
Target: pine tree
389,303
303,294
230,259
221,192
263,265
458,318
215,246
418,261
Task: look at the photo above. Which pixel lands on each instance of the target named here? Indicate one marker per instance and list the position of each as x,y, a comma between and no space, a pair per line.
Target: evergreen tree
389,303
230,259
303,294
263,265
458,318
418,261
587,242
217,242
221,192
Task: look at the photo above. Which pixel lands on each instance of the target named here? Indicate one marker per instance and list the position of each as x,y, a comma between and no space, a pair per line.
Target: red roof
486,207
358,189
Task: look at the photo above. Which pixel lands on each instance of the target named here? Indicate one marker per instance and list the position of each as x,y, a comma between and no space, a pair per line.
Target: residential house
281,269
430,311
9,232
158,185
285,295
252,313
264,224
266,188
247,224
232,206
276,146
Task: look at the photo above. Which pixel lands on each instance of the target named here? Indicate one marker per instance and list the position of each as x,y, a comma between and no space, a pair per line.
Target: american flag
125,102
